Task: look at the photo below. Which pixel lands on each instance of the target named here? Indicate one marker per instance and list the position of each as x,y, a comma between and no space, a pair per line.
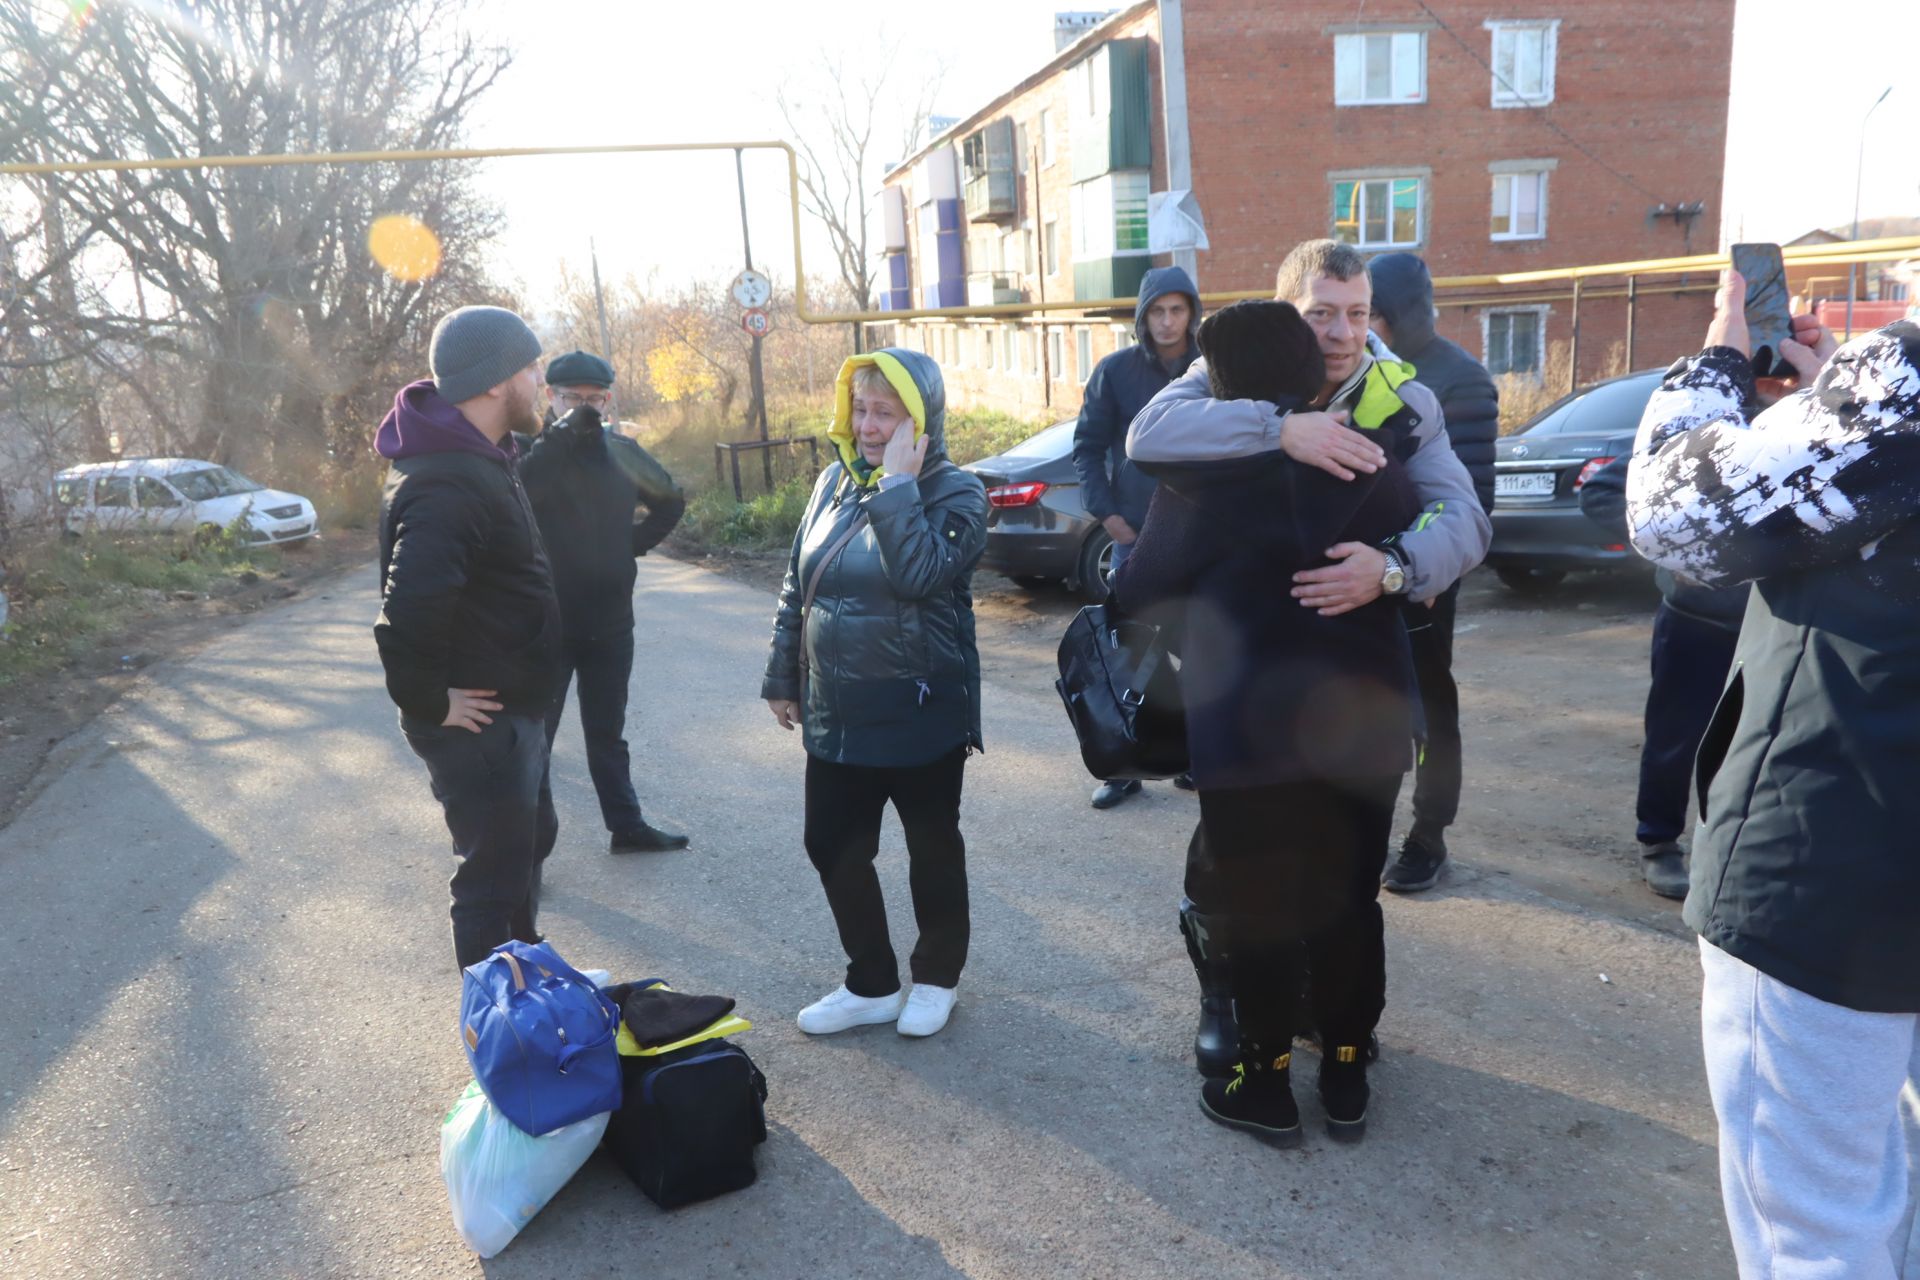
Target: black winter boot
1344,1092
1258,1099
1216,1044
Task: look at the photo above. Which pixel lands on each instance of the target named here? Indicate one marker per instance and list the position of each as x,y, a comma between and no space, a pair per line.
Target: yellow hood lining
841,432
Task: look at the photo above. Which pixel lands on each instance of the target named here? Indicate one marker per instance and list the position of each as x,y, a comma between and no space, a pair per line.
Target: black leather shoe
1418,867
1665,867
1184,781
1109,794
646,839
1258,1099
1344,1093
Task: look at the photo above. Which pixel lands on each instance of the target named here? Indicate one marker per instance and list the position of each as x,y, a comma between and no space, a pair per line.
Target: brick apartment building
1485,138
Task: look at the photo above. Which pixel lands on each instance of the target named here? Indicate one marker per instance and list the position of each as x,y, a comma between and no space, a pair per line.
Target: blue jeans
488,786
603,666
1120,554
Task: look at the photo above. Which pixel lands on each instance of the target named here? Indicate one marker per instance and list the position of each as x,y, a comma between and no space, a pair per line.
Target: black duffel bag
689,1122
1122,696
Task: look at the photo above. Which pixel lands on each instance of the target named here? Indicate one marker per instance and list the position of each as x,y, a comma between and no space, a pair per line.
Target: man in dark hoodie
469,629
1470,404
588,486
1114,491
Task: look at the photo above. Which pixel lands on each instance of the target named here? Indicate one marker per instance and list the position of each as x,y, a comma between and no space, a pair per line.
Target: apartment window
1520,205
1053,246
1013,252
1378,213
986,348
1523,58
1020,145
1515,341
1056,354
1013,348
1122,337
1379,68
1110,215
1046,137
1083,351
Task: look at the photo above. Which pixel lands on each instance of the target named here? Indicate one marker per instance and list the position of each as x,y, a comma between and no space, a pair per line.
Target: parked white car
181,495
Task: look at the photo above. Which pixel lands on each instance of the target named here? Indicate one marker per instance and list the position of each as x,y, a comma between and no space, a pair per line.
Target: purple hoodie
423,421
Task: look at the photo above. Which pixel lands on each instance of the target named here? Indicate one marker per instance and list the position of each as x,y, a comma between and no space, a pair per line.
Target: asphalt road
229,1036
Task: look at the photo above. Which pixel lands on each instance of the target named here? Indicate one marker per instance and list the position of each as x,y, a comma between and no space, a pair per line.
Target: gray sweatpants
1819,1111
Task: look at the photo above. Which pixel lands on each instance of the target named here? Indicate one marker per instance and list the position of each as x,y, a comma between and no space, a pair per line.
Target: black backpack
1122,696
689,1122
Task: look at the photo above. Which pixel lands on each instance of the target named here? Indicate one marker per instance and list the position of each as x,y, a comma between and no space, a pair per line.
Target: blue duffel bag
540,1037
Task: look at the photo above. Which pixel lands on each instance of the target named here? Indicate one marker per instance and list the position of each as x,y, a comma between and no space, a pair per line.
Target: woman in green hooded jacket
874,660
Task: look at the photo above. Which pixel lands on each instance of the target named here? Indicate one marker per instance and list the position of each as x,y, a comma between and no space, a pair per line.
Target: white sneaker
842,1009
928,1008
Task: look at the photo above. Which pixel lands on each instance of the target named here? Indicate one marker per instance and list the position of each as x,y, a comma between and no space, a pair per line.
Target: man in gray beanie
469,628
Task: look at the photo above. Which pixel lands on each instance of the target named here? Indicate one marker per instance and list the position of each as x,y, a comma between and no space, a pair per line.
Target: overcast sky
619,71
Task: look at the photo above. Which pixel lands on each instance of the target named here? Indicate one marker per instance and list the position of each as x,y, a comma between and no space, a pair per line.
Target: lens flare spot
404,246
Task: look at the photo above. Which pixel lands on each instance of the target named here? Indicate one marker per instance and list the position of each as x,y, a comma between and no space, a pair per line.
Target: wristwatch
1393,579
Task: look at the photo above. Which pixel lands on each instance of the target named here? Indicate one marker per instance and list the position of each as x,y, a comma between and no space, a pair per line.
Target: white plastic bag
498,1176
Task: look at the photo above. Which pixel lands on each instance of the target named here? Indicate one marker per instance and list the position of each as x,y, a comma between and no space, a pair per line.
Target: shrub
765,522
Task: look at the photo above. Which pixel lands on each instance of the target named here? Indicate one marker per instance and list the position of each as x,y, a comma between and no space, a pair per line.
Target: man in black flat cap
601,500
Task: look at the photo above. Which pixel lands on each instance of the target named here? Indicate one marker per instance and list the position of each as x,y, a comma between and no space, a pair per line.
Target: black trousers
844,806
488,786
1288,877
603,667
1690,661
1436,782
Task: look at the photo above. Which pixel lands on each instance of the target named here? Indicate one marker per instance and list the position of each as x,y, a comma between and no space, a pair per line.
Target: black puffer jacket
1274,692
467,599
892,672
1403,294
587,485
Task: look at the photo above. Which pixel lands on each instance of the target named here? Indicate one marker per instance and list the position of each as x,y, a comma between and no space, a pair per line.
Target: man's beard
523,415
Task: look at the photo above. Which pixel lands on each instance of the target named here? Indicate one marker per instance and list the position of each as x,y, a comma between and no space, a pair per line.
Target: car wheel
1528,581
1096,561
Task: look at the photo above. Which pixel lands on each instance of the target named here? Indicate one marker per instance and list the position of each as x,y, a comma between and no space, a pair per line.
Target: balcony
1115,277
1119,133
990,196
993,289
986,161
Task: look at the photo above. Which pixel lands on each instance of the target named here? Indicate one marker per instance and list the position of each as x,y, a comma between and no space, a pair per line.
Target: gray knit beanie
477,348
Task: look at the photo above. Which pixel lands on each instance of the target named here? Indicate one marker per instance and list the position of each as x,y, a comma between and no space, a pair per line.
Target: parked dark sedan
1539,533
1037,531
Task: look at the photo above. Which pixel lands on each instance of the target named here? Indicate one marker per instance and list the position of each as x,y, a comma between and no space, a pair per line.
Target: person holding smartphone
1805,877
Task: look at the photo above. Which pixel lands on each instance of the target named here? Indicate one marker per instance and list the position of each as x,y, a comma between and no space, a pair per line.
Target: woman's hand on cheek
904,454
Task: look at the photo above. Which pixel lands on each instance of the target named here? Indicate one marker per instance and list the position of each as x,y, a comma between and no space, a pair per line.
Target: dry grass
1523,396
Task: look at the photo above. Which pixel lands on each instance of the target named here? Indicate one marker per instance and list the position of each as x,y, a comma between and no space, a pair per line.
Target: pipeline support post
1573,347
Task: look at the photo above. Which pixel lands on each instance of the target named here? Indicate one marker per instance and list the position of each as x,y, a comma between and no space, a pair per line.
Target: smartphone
1769,318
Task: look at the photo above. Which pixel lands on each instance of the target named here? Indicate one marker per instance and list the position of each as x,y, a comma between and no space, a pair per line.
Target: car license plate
1525,484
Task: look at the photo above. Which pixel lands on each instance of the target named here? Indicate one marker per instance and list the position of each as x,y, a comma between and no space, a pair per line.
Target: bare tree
835,117
256,283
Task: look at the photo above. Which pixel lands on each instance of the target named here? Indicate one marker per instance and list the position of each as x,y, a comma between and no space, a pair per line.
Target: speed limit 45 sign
757,322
